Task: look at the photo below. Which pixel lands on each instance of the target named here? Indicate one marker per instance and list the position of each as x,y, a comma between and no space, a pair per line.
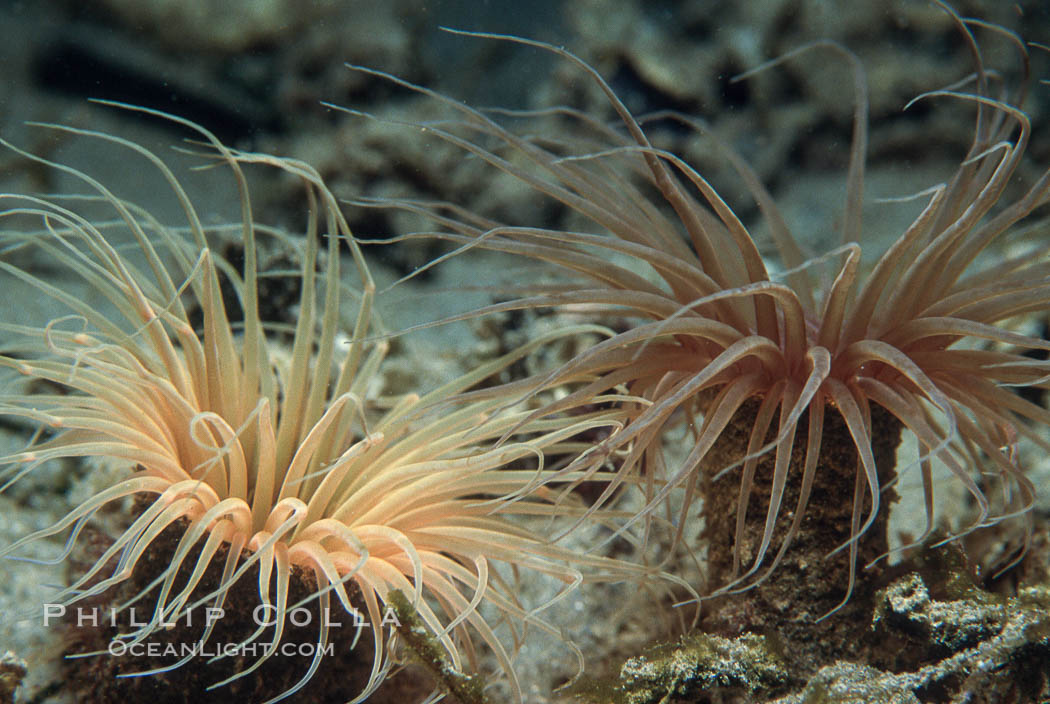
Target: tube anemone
281,479
789,361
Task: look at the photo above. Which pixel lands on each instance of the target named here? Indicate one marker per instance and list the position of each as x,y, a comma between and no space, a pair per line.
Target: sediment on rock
788,605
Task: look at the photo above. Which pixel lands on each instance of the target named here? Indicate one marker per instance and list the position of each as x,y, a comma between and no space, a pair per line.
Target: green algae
466,688
697,663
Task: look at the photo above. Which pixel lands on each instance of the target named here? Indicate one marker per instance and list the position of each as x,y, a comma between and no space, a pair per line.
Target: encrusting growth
286,472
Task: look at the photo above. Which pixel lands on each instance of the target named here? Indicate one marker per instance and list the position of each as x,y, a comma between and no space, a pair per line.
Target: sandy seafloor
256,72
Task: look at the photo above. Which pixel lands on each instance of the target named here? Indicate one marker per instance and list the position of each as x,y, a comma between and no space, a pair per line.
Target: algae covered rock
697,664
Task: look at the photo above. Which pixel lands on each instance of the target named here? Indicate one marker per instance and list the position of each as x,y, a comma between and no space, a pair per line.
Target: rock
12,672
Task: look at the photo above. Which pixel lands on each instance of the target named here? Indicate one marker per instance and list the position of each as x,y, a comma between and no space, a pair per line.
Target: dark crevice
94,68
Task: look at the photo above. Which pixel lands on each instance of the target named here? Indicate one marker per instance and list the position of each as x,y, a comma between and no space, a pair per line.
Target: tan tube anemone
273,468
785,378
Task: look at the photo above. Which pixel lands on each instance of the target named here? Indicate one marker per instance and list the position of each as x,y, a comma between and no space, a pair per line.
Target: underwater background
256,73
